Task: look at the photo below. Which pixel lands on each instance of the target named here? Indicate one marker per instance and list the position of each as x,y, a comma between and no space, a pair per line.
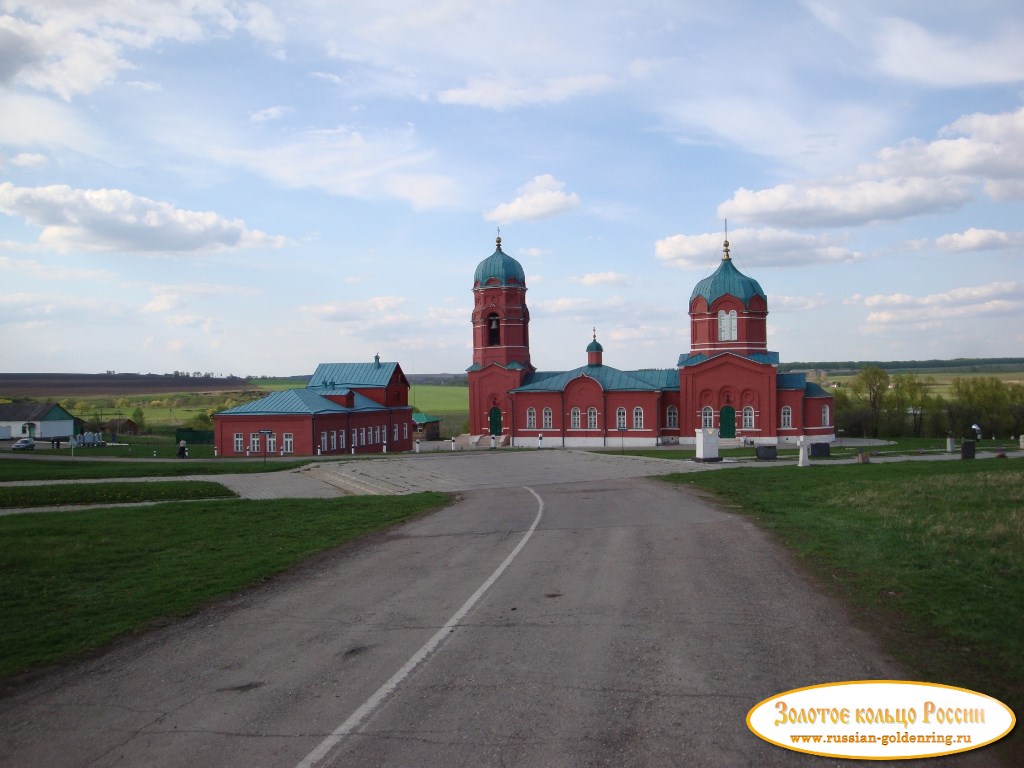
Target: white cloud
29,160
506,93
40,271
979,240
763,247
72,48
939,309
345,161
270,113
844,204
603,278
539,198
34,121
911,179
117,220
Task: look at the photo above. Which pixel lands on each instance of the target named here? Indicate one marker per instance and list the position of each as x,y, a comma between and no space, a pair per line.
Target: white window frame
672,417
394,433
334,440
355,437
727,322
620,418
341,439
362,436
825,415
239,442
405,430
323,442
748,417
638,418
272,442
591,417
254,442
547,419
707,417
574,418
787,418
288,442
531,418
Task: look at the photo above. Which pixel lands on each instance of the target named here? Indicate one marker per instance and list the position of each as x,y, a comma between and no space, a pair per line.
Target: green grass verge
71,582
930,555
83,469
110,493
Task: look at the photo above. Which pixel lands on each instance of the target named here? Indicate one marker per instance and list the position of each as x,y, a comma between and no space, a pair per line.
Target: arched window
638,418
531,418
547,418
493,330
787,417
574,418
727,325
591,418
748,417
707,417
672,417
824,415
620,418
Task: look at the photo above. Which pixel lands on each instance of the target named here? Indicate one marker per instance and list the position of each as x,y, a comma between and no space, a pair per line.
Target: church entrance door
727,422
495,420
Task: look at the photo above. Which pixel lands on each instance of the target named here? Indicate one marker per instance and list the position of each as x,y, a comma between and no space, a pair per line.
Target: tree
908,396
139,417
986,400
869,387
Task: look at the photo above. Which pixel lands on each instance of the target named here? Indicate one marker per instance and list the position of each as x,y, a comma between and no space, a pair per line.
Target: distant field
942,383
434,399
448,403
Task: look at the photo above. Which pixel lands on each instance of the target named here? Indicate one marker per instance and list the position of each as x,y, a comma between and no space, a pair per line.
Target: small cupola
594,351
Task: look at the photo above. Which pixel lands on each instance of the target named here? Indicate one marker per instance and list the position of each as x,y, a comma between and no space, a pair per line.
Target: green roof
424,418
501,267
300,401
687,359
330,377
610,379
728,281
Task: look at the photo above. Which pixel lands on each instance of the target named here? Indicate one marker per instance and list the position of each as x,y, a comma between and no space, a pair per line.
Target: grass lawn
70,582
930,555
83,469
110,493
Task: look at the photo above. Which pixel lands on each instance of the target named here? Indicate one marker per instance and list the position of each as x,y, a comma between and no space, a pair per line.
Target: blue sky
254,188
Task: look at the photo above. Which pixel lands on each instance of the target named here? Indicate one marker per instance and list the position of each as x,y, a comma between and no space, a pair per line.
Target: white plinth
707,443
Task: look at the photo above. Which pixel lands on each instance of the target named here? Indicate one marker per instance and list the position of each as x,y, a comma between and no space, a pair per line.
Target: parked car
24,444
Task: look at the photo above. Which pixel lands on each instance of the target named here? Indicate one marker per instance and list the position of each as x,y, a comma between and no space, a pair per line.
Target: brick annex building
345,408
727,381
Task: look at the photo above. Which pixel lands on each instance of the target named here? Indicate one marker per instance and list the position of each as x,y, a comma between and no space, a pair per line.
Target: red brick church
728,381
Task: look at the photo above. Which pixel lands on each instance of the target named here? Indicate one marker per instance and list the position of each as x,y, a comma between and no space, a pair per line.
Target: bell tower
501,320
501,341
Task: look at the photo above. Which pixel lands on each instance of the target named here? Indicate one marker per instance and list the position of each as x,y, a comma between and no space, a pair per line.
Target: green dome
595,346
727,280
500,266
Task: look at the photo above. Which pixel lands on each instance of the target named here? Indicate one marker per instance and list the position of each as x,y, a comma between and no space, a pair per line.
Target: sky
253,188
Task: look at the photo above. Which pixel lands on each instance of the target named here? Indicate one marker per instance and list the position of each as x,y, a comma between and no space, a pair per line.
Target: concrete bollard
417,445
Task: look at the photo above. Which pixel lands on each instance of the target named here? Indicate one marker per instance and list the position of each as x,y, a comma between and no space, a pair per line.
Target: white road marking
357,717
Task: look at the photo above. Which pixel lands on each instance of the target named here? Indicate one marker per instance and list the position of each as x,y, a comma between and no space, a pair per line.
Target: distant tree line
877,404
972,364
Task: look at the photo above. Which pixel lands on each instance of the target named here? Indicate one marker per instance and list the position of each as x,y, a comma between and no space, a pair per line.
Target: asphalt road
619,622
